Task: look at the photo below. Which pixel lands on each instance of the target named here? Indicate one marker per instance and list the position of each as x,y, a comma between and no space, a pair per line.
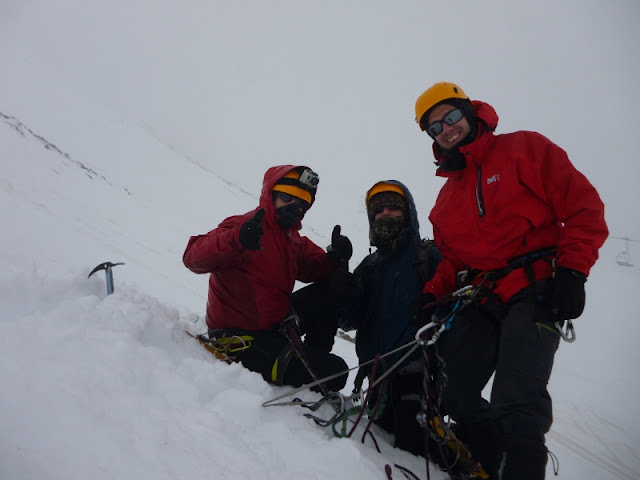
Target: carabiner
568,335
434,337
463,291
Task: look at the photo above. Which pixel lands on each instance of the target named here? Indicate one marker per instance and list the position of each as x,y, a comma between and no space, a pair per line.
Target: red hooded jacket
517,194
251,289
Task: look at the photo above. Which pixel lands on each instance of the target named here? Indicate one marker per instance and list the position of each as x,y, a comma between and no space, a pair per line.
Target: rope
434,382
270,403
290,331
404,470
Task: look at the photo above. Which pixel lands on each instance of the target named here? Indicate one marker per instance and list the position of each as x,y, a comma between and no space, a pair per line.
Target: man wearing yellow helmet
253,261
526,226
384,288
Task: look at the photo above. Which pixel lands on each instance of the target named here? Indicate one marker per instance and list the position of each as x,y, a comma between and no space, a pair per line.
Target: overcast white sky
333,84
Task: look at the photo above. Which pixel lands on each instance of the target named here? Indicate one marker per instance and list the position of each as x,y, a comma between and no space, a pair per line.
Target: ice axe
106,266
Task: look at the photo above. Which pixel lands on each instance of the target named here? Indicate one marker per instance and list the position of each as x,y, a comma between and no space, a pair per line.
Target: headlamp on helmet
302,185
309,178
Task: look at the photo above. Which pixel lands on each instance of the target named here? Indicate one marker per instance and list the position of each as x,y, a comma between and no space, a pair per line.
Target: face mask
289,215
387,230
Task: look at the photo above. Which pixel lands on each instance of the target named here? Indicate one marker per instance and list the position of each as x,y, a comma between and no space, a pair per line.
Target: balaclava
387,230
302,184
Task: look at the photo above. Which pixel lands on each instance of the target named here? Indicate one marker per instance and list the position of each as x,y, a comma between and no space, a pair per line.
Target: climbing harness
462,297
566,331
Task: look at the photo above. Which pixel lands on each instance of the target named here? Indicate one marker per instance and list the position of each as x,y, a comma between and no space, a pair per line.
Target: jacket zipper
479,200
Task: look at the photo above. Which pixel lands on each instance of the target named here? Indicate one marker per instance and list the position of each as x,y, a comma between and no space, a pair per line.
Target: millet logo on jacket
493,179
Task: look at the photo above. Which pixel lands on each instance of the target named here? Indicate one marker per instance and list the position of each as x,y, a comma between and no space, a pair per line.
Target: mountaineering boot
483,439
525,459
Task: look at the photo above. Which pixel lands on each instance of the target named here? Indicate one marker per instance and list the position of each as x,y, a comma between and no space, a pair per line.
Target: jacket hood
487,119
271,176
414,226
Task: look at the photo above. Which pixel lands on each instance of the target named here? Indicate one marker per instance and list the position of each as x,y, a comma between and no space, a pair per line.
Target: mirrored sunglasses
435,129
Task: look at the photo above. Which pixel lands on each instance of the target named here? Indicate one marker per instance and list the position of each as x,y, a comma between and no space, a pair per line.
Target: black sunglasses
287,197
391,206
435,129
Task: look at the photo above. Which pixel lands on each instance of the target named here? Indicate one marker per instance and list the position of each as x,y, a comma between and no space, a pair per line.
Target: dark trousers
271,355
406,394
315,306
511,341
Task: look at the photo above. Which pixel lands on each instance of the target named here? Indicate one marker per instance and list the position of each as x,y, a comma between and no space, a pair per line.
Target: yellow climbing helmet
301,184
383,187
434,95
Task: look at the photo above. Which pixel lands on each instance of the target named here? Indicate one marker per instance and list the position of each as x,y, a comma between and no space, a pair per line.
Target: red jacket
251,289
518,193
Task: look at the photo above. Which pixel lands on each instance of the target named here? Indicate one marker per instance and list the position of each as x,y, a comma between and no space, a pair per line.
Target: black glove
423,309
342,284
567,299
251,231
340,248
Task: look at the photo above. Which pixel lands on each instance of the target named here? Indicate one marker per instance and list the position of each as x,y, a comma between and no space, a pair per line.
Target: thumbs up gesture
340,248
251,231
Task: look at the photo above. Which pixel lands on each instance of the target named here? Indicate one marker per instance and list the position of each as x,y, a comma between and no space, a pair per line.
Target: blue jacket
388,284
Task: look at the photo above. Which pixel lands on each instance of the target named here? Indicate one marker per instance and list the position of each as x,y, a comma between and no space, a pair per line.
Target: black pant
271,355
512,341
406,394
315,306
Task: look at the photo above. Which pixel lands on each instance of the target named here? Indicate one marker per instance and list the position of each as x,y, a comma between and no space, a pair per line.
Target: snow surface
126,127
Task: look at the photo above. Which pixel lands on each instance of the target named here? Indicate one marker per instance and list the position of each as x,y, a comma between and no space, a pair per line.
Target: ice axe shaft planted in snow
106,266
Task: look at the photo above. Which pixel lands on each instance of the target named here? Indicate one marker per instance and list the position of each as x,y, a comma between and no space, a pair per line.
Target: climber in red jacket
254,261
516,218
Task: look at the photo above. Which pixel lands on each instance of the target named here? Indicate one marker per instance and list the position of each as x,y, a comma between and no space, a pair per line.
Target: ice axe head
106,266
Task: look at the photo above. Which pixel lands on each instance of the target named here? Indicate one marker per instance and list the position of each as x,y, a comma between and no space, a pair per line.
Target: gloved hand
340,248
422,312
568,297
251,231
342,284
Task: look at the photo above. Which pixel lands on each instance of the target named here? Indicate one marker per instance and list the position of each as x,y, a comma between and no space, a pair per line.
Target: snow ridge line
25,131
